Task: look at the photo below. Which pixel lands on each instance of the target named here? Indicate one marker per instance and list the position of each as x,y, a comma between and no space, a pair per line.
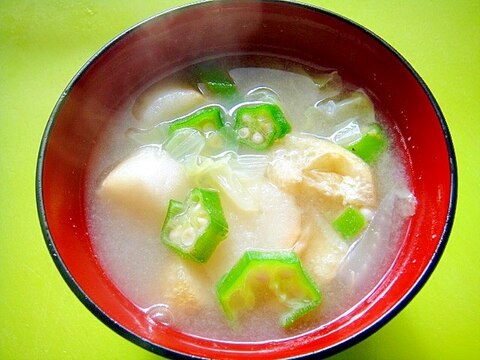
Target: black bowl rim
159,350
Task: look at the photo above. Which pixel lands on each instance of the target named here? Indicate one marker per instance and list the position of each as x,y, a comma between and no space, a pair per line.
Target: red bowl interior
175,39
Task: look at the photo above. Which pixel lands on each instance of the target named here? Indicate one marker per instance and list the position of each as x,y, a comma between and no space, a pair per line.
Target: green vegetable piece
207,119
217,81
279,272
184,144
370,145
349,223
195,227
225,139
259,125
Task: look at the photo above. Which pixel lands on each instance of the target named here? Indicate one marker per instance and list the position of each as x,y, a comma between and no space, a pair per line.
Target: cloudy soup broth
246,191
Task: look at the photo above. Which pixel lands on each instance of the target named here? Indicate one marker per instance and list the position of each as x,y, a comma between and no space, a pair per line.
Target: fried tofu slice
185,287
309,166
319,247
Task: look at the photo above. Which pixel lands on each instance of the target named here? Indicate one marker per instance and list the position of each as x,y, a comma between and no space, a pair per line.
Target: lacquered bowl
188,34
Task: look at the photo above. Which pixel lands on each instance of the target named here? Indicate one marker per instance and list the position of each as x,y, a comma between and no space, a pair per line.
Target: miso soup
247,198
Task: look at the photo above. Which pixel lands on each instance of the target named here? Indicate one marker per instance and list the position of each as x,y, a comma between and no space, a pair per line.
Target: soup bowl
183,36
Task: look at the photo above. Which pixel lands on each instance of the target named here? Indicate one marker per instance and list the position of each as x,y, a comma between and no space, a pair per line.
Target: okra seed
257,138
243,133
176,234
267,127
202,222
247,119
188,236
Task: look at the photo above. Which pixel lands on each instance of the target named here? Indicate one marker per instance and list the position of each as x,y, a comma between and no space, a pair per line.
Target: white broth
281,190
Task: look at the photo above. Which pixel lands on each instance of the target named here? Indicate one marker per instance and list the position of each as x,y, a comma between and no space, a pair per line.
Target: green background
44,43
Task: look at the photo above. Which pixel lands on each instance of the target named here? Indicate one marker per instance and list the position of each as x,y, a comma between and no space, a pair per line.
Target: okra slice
372,143
195,227
259,125
349,223
207,119
217,81
281,273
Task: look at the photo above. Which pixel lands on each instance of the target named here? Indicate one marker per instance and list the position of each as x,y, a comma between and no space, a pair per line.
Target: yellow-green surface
43,44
